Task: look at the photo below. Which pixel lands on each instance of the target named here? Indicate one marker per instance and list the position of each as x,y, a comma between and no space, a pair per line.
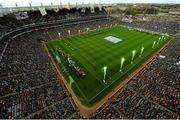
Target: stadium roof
11,3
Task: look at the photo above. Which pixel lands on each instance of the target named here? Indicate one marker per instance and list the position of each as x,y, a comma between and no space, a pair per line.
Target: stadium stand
51,16
29,87
170,27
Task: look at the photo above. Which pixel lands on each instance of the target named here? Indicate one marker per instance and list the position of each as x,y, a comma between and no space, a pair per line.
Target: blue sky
8,3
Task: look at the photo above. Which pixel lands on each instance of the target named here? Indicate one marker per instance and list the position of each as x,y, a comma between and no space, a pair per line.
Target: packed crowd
35,17
157,26
29,87
154,92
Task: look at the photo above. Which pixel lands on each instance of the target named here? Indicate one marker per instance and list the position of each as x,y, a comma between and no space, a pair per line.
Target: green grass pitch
92,52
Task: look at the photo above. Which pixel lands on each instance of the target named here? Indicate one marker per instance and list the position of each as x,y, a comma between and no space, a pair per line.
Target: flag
100,8
56,9
92,9
83,10
21,15
43,11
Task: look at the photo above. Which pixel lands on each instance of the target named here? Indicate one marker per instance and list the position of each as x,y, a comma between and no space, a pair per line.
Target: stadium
90,60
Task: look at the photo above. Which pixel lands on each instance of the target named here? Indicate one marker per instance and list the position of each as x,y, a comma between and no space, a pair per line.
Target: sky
11,3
